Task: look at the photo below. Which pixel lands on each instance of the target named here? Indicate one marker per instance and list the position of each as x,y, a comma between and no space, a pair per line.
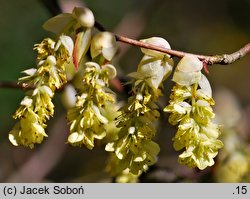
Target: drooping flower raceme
134,150
190,109
86,118
37,107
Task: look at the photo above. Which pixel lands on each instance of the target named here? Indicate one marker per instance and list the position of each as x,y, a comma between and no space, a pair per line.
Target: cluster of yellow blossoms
190,108
134,150
86,118
132,147
37,107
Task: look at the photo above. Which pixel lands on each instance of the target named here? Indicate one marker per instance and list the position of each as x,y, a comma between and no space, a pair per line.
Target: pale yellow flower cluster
86,118
37,106
190,109
92,111
134,150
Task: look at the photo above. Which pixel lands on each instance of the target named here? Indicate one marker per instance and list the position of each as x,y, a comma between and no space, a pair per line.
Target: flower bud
154,70
84,16
111,70
26,101
188,71
189,63
103,43
131,130
157,41
69,96
51,60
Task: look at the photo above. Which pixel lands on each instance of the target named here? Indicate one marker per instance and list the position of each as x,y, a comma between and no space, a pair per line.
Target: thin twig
10,84
209,60
223,59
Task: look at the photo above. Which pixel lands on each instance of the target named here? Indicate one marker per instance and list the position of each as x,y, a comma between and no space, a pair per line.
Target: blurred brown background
205,27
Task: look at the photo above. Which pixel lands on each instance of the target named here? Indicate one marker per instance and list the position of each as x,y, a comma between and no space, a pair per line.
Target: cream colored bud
51,60
139,97
154,70
26,101
186,79
109,147
111,70
131,130
157,41
84,16
69,96
103,43
84,95
47,90
189,63
93,65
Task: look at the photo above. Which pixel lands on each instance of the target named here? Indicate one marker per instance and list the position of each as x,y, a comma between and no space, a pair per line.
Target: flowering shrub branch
224,59
210,60
95,115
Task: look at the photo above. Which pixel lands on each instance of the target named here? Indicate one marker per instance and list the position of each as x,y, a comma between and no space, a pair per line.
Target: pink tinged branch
209,60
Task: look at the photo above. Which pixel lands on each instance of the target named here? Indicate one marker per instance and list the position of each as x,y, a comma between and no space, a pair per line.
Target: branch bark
209,60
223,59
9,84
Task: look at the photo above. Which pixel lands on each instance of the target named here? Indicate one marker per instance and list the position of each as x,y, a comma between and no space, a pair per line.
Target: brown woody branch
209,60
10,84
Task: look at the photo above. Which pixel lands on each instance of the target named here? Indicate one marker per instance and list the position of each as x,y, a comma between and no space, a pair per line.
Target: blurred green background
202,27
